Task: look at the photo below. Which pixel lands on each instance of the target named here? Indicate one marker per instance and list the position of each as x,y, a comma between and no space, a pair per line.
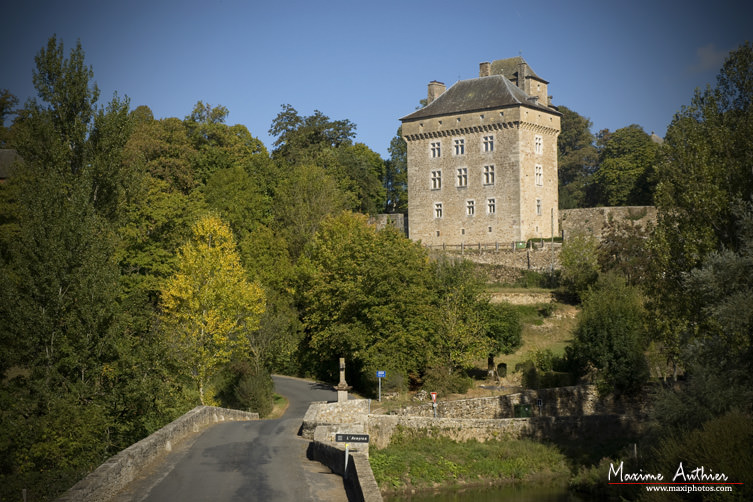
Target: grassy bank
414,461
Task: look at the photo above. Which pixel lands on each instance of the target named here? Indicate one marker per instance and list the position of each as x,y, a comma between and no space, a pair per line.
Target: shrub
444,382
610,336
246,389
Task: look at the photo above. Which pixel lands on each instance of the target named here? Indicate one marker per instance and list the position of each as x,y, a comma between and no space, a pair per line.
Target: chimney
484,69
522,74
435,90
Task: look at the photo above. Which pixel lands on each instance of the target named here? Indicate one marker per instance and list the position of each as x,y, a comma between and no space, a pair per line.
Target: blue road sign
381,374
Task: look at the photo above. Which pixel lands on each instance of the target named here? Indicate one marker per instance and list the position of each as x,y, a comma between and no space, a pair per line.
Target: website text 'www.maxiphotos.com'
696,480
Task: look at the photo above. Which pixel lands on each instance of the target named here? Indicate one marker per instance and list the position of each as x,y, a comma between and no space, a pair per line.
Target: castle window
459,146
488,175
437,209
488,143
470,207
436,150
538,207
538,143
436,180
491,206
539,176
463,177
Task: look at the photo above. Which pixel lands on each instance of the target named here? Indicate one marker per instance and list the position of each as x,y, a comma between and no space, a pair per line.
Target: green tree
503,328
209,309
396,175
705,171
7,103
577,159
624,249
610,336
218,145
368,296
303,139
579,263
60,316
306,196
162,149
626,165
318,140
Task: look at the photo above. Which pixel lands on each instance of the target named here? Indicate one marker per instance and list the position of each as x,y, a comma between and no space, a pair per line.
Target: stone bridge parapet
112,476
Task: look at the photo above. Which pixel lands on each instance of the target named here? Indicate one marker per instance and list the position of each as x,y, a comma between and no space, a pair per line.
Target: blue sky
617,63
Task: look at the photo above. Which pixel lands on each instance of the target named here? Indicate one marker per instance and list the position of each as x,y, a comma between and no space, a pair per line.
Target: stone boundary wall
351,412
383,427
119,470
594,220
556,402
360,484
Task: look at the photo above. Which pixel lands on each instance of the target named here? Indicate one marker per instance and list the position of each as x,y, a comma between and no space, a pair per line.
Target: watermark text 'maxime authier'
697,475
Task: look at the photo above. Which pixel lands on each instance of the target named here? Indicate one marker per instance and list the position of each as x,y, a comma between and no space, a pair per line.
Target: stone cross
343,387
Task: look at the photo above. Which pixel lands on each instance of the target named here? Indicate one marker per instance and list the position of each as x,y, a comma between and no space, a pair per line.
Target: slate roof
477,94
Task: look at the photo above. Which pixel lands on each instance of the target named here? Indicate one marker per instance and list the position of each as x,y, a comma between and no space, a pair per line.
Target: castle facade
482,159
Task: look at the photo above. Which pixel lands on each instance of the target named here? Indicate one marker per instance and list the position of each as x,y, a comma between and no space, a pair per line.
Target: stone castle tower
482,159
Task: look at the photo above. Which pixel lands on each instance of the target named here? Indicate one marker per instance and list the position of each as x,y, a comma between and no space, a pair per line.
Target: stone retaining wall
112,476
556,402
383,427
321,413
360,484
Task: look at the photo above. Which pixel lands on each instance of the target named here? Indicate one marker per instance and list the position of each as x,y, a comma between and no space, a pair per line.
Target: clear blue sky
617,63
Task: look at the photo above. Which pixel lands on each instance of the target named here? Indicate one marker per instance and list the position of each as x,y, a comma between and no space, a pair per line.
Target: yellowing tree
209,309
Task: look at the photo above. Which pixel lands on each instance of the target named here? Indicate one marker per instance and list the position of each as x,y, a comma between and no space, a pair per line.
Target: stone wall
594,220
383,427
359,481
112,476
347,416
556,402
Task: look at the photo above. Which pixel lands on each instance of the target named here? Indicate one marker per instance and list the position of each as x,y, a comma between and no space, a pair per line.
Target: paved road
261,460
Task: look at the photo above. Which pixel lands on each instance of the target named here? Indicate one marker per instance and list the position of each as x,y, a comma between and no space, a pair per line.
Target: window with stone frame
491,206
488,142
489,175
437,209
470,207
463,177
436,149
538,206
459,146
538,145
436,180
539,176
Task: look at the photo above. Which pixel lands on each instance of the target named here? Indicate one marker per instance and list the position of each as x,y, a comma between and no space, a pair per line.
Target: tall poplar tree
209,309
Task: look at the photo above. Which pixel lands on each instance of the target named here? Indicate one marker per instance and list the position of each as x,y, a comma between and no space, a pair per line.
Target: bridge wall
360,484
112,476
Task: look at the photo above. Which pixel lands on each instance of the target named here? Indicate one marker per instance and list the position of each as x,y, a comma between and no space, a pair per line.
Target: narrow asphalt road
262,460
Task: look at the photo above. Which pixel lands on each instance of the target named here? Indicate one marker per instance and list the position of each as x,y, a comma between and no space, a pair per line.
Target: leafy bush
246,389
610,336
722,445
579,264
542,369
444,382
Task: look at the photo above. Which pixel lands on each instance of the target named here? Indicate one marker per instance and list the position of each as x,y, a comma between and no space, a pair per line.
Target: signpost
350,438
380,375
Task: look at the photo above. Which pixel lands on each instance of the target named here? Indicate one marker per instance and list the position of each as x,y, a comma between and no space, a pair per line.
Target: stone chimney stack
484,69
522,74
435,90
